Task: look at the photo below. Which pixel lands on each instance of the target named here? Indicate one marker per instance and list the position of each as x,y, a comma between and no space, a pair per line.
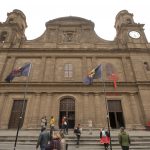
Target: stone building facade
61,58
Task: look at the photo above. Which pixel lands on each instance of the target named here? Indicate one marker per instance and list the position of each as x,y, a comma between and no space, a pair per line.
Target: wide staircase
140,140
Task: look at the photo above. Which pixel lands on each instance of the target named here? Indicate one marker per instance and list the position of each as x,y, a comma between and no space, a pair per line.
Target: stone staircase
139,141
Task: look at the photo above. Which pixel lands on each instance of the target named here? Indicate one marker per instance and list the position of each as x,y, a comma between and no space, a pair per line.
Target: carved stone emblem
69,36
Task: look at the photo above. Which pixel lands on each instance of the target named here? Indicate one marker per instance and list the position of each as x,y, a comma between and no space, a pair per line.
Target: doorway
15,114
67,108
115,114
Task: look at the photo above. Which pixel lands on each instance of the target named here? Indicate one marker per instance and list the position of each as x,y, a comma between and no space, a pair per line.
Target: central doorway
67,108
115,114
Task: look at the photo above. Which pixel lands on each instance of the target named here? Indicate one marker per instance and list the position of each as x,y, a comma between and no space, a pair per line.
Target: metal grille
67,104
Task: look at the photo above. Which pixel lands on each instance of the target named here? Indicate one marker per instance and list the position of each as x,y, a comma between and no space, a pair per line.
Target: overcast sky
101,12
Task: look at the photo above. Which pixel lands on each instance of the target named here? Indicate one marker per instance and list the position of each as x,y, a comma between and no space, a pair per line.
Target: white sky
101,12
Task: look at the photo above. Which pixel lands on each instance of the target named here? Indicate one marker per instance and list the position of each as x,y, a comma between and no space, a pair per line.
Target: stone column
53,68
35,122
43,65
86,110
6,112
98,111
9,67
2,98
12,62
43,104
125,68
48,107
94,62
2,104
103,110
84,67
135,111
3,58
127,111
79,112
27,116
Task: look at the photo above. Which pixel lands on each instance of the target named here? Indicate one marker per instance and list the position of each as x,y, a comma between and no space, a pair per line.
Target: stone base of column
138,127
135,126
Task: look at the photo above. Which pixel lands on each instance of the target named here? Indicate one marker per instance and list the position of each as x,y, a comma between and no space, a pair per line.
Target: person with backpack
78,131
124,139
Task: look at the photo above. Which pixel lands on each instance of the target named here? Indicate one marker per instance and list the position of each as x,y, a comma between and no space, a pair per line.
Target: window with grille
68,71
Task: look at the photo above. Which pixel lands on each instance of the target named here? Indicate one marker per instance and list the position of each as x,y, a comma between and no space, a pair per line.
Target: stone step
27,141
71,147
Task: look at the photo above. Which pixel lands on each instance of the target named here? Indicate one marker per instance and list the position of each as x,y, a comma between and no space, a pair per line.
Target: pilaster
35,116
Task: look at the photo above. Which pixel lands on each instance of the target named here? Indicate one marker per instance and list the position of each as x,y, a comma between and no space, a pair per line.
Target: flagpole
108,125
21,113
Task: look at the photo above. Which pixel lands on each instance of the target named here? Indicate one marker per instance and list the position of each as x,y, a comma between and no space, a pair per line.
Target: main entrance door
15,114
115,114
67,108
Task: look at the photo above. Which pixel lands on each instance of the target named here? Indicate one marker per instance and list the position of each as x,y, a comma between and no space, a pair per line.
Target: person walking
64,125
78,131
124,139
43,139
104,138
52,126
43,122
67,126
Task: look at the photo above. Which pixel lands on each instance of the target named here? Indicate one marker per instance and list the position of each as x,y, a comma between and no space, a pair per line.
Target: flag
23,71
114,77
93,74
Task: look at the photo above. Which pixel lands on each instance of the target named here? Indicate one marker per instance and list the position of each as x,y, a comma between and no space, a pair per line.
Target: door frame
115,109
67,106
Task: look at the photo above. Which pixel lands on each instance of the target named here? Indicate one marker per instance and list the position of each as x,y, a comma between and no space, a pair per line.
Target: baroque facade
61,58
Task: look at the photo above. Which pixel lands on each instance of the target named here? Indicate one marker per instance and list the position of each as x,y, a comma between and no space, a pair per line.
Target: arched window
68,71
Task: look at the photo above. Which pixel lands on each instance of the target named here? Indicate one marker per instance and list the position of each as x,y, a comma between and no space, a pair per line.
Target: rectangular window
68,71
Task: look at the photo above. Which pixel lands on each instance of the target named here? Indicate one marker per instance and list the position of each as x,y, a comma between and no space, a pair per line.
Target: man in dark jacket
77,131
43,139
124,139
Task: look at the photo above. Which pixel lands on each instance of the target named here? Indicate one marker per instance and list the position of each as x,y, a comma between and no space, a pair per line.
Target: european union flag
93,74
23,71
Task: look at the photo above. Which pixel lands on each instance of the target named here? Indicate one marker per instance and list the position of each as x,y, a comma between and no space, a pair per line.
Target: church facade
61,57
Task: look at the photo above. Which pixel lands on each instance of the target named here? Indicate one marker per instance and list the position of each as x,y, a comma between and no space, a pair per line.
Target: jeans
42,148
78,139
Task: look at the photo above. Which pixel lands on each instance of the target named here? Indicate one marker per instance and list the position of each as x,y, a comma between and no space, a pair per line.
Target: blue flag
93,74
23,71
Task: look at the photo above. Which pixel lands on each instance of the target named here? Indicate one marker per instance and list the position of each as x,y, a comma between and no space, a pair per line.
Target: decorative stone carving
68,36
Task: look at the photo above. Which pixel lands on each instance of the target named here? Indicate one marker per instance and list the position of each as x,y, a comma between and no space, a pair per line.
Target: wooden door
18,105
